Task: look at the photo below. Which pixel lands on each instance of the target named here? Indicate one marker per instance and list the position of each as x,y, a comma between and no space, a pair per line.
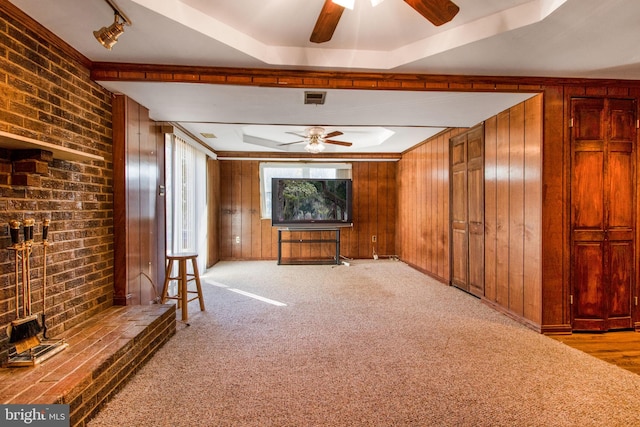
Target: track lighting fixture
108,36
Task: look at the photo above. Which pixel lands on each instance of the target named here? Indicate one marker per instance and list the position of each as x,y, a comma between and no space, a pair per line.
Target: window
295,170
186,198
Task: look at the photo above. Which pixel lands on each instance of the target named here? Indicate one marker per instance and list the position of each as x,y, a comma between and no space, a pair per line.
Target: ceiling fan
438,12
316,137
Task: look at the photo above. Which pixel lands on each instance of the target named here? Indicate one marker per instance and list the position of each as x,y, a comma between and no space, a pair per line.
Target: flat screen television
311,202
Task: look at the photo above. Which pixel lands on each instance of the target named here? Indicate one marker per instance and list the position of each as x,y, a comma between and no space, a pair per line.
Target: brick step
102,354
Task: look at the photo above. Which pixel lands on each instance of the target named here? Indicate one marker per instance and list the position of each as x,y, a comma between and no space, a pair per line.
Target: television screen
307,202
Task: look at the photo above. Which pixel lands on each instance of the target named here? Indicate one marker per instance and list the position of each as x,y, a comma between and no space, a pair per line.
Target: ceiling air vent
316,98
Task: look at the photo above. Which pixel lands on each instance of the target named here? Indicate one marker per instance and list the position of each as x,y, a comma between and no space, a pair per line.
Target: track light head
108,36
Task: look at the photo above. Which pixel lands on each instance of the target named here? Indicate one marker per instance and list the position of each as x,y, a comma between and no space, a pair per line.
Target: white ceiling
233,114
548,38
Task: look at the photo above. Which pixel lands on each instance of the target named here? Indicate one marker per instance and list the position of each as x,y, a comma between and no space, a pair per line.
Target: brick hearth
103,353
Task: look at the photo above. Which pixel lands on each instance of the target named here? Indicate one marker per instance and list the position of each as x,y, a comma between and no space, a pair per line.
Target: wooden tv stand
335,240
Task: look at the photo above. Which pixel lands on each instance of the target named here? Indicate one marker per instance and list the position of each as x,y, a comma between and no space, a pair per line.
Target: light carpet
376,343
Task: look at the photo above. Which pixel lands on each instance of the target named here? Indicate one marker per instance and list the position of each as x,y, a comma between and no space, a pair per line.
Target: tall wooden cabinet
603,213
467,210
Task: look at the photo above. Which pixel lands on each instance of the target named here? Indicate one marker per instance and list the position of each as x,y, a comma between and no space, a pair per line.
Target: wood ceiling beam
108,71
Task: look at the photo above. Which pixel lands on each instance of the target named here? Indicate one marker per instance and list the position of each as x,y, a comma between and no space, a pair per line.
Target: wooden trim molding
254,155
110,71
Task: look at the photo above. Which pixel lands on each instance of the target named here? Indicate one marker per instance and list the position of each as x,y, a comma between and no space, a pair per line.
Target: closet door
459,220
602,213
467,211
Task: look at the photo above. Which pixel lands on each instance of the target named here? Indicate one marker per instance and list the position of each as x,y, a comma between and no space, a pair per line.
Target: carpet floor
373,344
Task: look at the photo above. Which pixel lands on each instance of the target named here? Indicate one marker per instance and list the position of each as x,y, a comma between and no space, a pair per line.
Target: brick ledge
103,353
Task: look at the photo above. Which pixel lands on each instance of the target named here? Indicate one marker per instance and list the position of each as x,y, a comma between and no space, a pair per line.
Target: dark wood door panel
603,217
620,292
581,235
621,191
588,297
620,234
622,119
621,146
587,190
588,119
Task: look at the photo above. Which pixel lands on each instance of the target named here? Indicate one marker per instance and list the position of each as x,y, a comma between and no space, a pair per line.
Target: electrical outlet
374,238
237,239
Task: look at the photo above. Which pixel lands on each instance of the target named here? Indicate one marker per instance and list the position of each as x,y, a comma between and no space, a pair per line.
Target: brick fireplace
64,158
46,95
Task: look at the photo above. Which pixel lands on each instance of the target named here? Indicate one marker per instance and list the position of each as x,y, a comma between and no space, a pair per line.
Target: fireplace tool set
23,332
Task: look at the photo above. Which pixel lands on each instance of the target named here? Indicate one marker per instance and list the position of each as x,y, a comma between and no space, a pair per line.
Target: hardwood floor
621,348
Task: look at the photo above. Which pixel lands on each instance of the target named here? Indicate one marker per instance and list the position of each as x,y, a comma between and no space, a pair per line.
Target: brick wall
46,95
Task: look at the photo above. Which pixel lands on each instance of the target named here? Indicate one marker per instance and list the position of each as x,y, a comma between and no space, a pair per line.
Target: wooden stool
183,278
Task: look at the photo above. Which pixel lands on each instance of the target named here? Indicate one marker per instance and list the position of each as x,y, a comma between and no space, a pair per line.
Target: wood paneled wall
422,239
513,197
244,235
139,213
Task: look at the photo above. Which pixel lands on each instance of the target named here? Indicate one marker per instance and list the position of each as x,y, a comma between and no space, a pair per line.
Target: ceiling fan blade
327,22
438,12
290,143
343,143
301,135
334,133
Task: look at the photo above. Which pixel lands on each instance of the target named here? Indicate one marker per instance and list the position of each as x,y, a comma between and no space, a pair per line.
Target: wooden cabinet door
602,213
467,211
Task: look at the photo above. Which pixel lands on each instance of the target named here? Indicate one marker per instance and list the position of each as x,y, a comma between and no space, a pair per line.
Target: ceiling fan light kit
315,131
314,147
316,138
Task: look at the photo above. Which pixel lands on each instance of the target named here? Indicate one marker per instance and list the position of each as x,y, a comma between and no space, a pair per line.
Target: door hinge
636,300
571,299
571,122
637,124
